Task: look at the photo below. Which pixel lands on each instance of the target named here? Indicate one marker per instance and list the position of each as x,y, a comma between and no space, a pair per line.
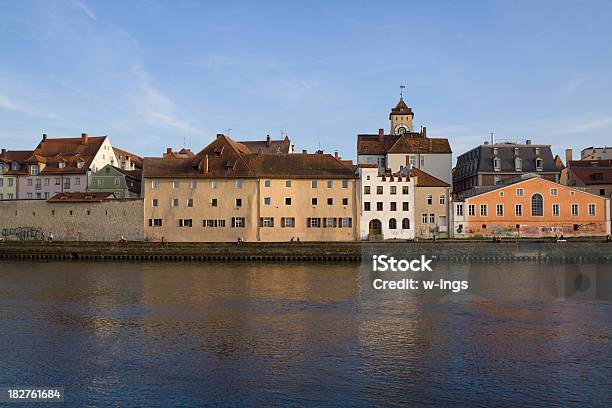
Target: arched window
392,223
405,223
537,205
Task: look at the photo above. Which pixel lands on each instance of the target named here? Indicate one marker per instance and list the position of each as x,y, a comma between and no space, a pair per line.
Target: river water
232,334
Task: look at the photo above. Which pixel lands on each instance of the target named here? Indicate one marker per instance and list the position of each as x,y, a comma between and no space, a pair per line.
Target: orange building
532,207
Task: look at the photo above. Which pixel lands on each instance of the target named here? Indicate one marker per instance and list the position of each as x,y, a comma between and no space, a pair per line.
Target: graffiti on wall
23,233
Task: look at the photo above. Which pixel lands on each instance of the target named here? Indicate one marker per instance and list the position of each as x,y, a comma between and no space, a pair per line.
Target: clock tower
401,117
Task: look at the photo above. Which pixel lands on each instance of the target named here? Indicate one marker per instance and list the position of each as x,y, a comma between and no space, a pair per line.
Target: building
123,183
269,146
489,164
593,176
403,146
126,160
227,193
596,153
431,204
387,204
12,165
73,217
63,165
531,206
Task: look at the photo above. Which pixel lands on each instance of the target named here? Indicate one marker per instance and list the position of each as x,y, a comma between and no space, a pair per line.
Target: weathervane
402,87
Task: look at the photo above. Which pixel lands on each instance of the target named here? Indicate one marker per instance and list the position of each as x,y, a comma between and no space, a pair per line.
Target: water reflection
243,334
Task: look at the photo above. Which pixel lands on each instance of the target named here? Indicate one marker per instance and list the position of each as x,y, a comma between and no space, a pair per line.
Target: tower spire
402,87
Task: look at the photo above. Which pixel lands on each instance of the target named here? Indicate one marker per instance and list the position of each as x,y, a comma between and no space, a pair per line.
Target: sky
156,74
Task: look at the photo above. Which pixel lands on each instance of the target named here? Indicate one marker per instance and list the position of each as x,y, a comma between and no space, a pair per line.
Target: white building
387,204
596,153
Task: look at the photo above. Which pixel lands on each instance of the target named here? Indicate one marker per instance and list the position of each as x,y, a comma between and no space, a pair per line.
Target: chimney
424,132
268,140
44,136
219,135
568,156
168,150
336,154
304,151
84,138
528,141
381,135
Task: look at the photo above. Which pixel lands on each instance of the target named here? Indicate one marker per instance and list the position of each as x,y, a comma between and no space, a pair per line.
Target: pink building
63,165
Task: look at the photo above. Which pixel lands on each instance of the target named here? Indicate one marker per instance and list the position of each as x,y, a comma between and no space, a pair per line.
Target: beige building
227,192
431,203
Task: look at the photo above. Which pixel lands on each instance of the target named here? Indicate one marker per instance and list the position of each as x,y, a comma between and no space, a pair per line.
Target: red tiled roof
406,143
593,175
69,150
559,163
82,197
401,109
19,156
268,146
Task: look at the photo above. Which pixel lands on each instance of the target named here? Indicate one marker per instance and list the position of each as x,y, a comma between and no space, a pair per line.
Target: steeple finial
402,87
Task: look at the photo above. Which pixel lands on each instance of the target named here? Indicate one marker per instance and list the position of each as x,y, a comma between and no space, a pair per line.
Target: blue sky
151,74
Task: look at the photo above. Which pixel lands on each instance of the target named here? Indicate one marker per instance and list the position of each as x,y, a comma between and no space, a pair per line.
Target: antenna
184,141
402,87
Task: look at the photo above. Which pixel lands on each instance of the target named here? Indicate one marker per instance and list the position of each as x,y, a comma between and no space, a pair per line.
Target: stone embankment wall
34,220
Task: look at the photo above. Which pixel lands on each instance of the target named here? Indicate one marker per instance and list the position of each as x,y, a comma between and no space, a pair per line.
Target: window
329,222
174,202
379,206
330,184
393,206
602,191
313,184
313,201
592,210
266,222
405,206
330,201
537,205
471,210
29,182
37,184
34,170
154,202
154,184
29,196
392,223
239,202
539,164
175,184
518,210
188,223
442,200
519,192
314,222
77,181
288,183
267,183
575,210
483,210
238,222
190,202
496,179
267,201
432,218
66,183
346,222
117,181
460,209
379,189
80,164
405,223
404,189
288,222
393,190
213,202
518,164
345,201
344,183
366,206
422,161
499,210
238,184
214,184
61,164
155,222
554,192
10,182
287,200
213,223
501,193
497,164
429,200
366,189
555,210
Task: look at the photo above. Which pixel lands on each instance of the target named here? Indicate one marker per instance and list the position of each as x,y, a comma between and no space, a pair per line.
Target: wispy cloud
84,8
572,86
582,126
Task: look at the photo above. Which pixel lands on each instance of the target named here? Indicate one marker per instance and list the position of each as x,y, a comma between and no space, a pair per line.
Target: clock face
401,129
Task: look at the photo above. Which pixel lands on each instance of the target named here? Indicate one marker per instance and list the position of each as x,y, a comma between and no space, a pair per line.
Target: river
233,334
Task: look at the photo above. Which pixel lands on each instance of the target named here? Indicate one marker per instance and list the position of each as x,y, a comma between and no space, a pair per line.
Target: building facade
124,183
11,167
405,147
387,204
63,165
596,153
227,193
531,207
431,205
